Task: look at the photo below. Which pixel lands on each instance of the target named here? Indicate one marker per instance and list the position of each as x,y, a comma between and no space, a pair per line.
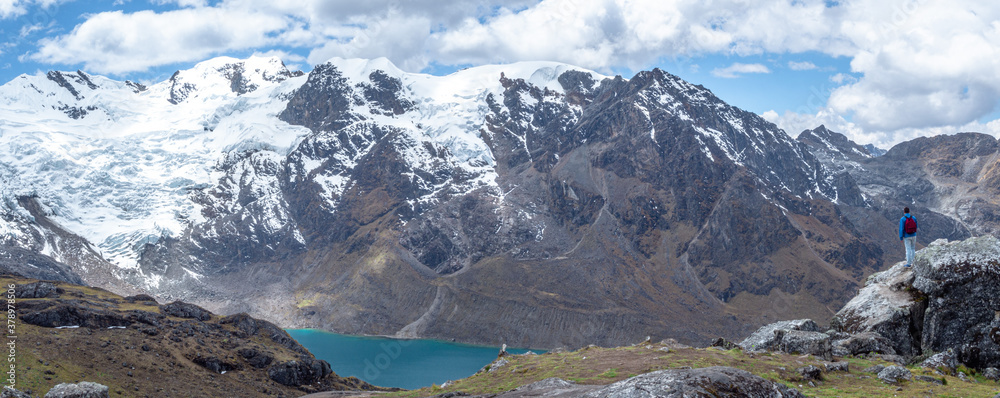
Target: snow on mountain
117,162
118,171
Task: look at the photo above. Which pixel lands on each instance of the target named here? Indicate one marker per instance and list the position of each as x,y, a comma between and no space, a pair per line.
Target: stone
837,367
945,362
724,344
37,290
766,338
893,374
810,373
991,374
803,342
256,358
64,314
299,373
929,379
84,389
215,364
181,309
863,343
9,392
946,301
712,381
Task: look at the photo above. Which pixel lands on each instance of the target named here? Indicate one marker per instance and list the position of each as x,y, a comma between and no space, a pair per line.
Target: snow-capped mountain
533,203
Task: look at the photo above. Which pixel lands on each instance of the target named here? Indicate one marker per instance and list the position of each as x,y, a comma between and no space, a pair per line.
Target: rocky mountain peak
833,144
224,75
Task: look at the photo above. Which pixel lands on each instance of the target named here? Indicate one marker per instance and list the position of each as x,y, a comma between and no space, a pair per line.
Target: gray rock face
37,290
9,392
947,301
810,372
769,337
84,389
837,367
181,309
992,374
945,362
298,373
714,382
863,343
802,342
894,374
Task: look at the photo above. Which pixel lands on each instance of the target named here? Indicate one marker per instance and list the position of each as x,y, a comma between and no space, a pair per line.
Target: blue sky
880,71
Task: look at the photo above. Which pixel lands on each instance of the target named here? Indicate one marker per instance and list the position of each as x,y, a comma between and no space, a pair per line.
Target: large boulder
863,343
37,290
181,309
63,314
84,389
961,281
945,362
298,373
9,392
895,374
715,381
948,300
769,337
887,306
803,342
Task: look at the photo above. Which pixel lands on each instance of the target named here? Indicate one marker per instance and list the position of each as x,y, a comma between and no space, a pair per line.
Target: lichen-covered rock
9,392
837,367
84,389
863,343
962,283
768,338
714,381
948,300
893,374
946,362
885,307
992,374
802,342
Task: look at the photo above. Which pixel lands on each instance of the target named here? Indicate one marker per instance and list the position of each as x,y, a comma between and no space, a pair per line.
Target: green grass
602,366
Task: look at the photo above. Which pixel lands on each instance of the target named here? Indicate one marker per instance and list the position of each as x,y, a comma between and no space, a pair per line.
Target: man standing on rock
908,234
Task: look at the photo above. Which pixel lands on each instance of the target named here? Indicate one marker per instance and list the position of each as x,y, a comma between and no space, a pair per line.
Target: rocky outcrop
800,336
713,381
894,374
84,389
298,373
948,300
943,309
185,310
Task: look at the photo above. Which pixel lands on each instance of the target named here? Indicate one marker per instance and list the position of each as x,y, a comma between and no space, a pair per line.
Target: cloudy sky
880,71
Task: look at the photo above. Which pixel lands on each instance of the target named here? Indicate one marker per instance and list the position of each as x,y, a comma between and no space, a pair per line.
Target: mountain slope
534,204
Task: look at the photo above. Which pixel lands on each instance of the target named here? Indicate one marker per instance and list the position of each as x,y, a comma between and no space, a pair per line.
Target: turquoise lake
388,362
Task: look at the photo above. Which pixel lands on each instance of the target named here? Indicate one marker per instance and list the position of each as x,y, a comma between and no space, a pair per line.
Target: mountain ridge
534,204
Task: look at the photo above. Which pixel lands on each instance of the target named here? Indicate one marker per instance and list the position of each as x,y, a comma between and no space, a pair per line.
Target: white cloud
916,64
801,65
114,42
736,69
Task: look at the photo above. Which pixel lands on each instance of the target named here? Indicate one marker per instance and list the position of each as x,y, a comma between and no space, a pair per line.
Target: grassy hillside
165,356
596,365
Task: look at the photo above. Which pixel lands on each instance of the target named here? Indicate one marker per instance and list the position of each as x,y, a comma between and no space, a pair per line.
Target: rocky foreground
135,347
